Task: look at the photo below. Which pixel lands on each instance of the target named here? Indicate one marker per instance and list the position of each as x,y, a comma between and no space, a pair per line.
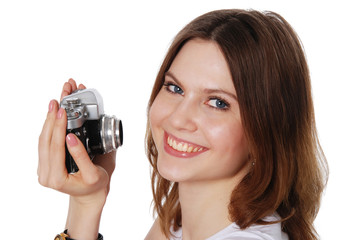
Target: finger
78,152
69,87
66,90
45,140
73,84
58,142
81,86
46,132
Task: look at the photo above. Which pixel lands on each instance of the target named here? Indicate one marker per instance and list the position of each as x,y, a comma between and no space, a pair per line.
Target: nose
184,116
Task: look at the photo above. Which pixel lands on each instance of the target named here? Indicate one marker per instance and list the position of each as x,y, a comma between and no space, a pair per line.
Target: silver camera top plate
82,105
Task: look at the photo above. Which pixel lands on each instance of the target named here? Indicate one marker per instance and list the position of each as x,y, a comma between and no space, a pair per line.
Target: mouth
180,148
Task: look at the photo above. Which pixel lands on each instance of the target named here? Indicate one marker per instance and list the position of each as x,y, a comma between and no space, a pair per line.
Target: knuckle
75,152
60,123
50,182
42,141
43,133
56,148
41,137
79,153
43,181
92,179
56,184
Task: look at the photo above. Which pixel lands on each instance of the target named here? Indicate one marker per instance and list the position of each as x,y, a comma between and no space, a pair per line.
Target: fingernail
71,140
60,113
51,105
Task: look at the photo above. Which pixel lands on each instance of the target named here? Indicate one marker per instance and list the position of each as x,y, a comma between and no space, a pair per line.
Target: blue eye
218,103
172,88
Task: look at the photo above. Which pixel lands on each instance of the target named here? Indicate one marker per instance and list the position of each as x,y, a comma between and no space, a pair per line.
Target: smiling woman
235,84
231,138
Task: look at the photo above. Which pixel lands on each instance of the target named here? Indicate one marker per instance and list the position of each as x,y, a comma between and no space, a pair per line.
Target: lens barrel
111,133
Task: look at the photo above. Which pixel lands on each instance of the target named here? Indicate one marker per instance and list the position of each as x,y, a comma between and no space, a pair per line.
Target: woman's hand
89,186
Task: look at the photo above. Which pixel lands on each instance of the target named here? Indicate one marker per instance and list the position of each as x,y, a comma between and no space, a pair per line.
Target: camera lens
111,133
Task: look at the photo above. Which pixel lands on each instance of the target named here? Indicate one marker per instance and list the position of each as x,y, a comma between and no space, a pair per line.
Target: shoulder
155,232
254,232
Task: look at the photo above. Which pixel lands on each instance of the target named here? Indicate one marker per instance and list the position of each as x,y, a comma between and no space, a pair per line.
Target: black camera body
98,132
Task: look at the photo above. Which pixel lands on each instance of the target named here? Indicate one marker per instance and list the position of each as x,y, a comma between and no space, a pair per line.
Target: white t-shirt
254,232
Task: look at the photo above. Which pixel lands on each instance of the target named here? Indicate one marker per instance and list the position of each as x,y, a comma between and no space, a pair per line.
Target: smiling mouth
180,148
183,147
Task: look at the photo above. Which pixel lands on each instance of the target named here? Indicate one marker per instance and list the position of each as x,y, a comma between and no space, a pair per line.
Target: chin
170,173
173,171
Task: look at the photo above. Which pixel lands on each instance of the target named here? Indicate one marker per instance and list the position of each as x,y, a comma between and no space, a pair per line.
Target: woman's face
195,118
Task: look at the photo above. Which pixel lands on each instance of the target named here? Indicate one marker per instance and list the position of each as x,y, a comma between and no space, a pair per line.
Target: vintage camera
98,132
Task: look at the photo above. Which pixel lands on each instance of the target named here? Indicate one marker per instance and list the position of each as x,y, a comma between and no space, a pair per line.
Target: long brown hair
272,81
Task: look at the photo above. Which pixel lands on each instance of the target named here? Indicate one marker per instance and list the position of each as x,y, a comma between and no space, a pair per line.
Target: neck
204,207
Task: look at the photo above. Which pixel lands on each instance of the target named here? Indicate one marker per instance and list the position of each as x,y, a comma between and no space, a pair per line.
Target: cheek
162,108
156,110
154,118
158,113
228,139
152,114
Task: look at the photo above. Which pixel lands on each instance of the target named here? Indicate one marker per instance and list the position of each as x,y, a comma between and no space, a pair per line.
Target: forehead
202,62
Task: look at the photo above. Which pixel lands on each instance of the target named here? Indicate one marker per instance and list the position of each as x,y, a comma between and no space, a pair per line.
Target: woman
231,138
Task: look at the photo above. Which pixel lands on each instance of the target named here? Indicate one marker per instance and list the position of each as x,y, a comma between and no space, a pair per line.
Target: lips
180,148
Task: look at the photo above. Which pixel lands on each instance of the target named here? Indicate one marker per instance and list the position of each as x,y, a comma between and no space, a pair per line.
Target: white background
117,47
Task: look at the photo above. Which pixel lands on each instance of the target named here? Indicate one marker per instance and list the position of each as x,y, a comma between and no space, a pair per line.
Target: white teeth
179,147
185,147
190,148
170,142
182,147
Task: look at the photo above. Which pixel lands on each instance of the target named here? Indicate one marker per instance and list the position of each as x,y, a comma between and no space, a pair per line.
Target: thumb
80,155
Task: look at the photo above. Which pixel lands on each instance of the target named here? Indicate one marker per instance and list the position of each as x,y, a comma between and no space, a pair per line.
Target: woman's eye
174,88
218,103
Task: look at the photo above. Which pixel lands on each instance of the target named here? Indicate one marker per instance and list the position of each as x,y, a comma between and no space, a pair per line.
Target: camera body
98,132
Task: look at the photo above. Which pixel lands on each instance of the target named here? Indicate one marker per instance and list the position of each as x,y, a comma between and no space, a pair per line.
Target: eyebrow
206,90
